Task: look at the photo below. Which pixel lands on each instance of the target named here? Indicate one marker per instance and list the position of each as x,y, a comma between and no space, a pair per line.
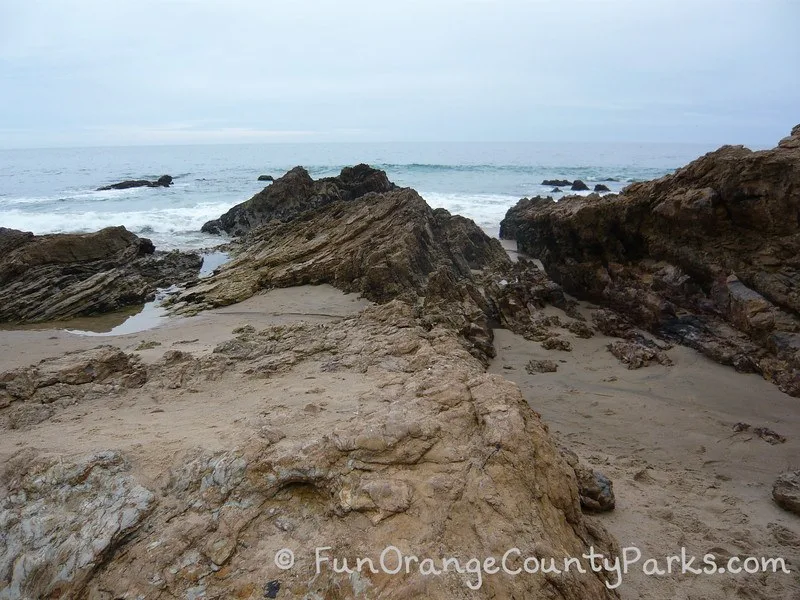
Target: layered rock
60,276
707,256
428,453
295,193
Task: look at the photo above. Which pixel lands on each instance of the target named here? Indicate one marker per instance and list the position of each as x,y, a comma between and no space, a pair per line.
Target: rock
638,353
60,276
295,193
557,343
556,191
163,181
704,257
579,186
786,491
266,178
601,188
595,489
557,182
541,366
433,452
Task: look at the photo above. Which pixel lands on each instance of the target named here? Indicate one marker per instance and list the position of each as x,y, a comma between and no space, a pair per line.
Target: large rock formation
60,276
428,454
708,256
297,192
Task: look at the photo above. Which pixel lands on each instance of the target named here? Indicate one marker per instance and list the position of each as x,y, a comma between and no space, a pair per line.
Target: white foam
487,210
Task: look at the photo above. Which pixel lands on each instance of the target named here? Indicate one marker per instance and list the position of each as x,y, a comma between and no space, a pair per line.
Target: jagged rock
31,395
60,276
62,521
383,246
707,257
579,186
601,188
557,182
638,353
786,491
434,455
296,193
266,178
541,366
555,191
163,181
595,489
557,343
580,329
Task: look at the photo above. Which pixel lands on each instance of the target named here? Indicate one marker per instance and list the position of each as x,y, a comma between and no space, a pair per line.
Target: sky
131,72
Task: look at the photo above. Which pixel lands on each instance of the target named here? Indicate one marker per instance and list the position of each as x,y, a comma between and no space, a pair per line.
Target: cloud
399,70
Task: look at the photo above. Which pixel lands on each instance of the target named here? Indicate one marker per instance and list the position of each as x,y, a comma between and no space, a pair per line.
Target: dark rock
596,491
556,191
557,182
266,178
786,491
579,186
295,193
557,343
601,188
163,181
706,257
637,353
60,276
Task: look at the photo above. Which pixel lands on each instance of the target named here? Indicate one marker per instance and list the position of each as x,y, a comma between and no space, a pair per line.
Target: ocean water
53,190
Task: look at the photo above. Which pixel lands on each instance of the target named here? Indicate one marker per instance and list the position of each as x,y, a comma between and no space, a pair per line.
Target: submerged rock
706,257
266,178
295,193
60,276
163,181
557,182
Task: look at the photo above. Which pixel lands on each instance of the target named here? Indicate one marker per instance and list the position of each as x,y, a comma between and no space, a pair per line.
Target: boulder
557,182
266,178
60,276
601,188
706,257
579,186
786,491
427,453
163,181
555,191
295,193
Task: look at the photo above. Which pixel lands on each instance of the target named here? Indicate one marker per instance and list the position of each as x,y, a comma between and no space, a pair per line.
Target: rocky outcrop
163,181
601,188
707,257
428,453
579,186
295,193
266,178
60,276
786,491
557,182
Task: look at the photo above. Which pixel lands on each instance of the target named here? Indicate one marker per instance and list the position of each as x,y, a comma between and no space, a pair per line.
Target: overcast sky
117,72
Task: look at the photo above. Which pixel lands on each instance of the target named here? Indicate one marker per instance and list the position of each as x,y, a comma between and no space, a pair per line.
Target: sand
664,435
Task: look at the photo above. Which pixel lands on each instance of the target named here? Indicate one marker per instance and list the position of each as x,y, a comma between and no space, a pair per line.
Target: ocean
53,190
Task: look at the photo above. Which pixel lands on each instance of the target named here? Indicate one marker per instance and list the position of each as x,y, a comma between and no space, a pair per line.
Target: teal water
53,190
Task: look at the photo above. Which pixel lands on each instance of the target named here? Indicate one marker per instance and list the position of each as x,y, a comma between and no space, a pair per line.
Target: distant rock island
163,181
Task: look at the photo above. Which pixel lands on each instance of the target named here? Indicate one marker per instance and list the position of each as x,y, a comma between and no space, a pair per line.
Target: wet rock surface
60,276
163,181
706,257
